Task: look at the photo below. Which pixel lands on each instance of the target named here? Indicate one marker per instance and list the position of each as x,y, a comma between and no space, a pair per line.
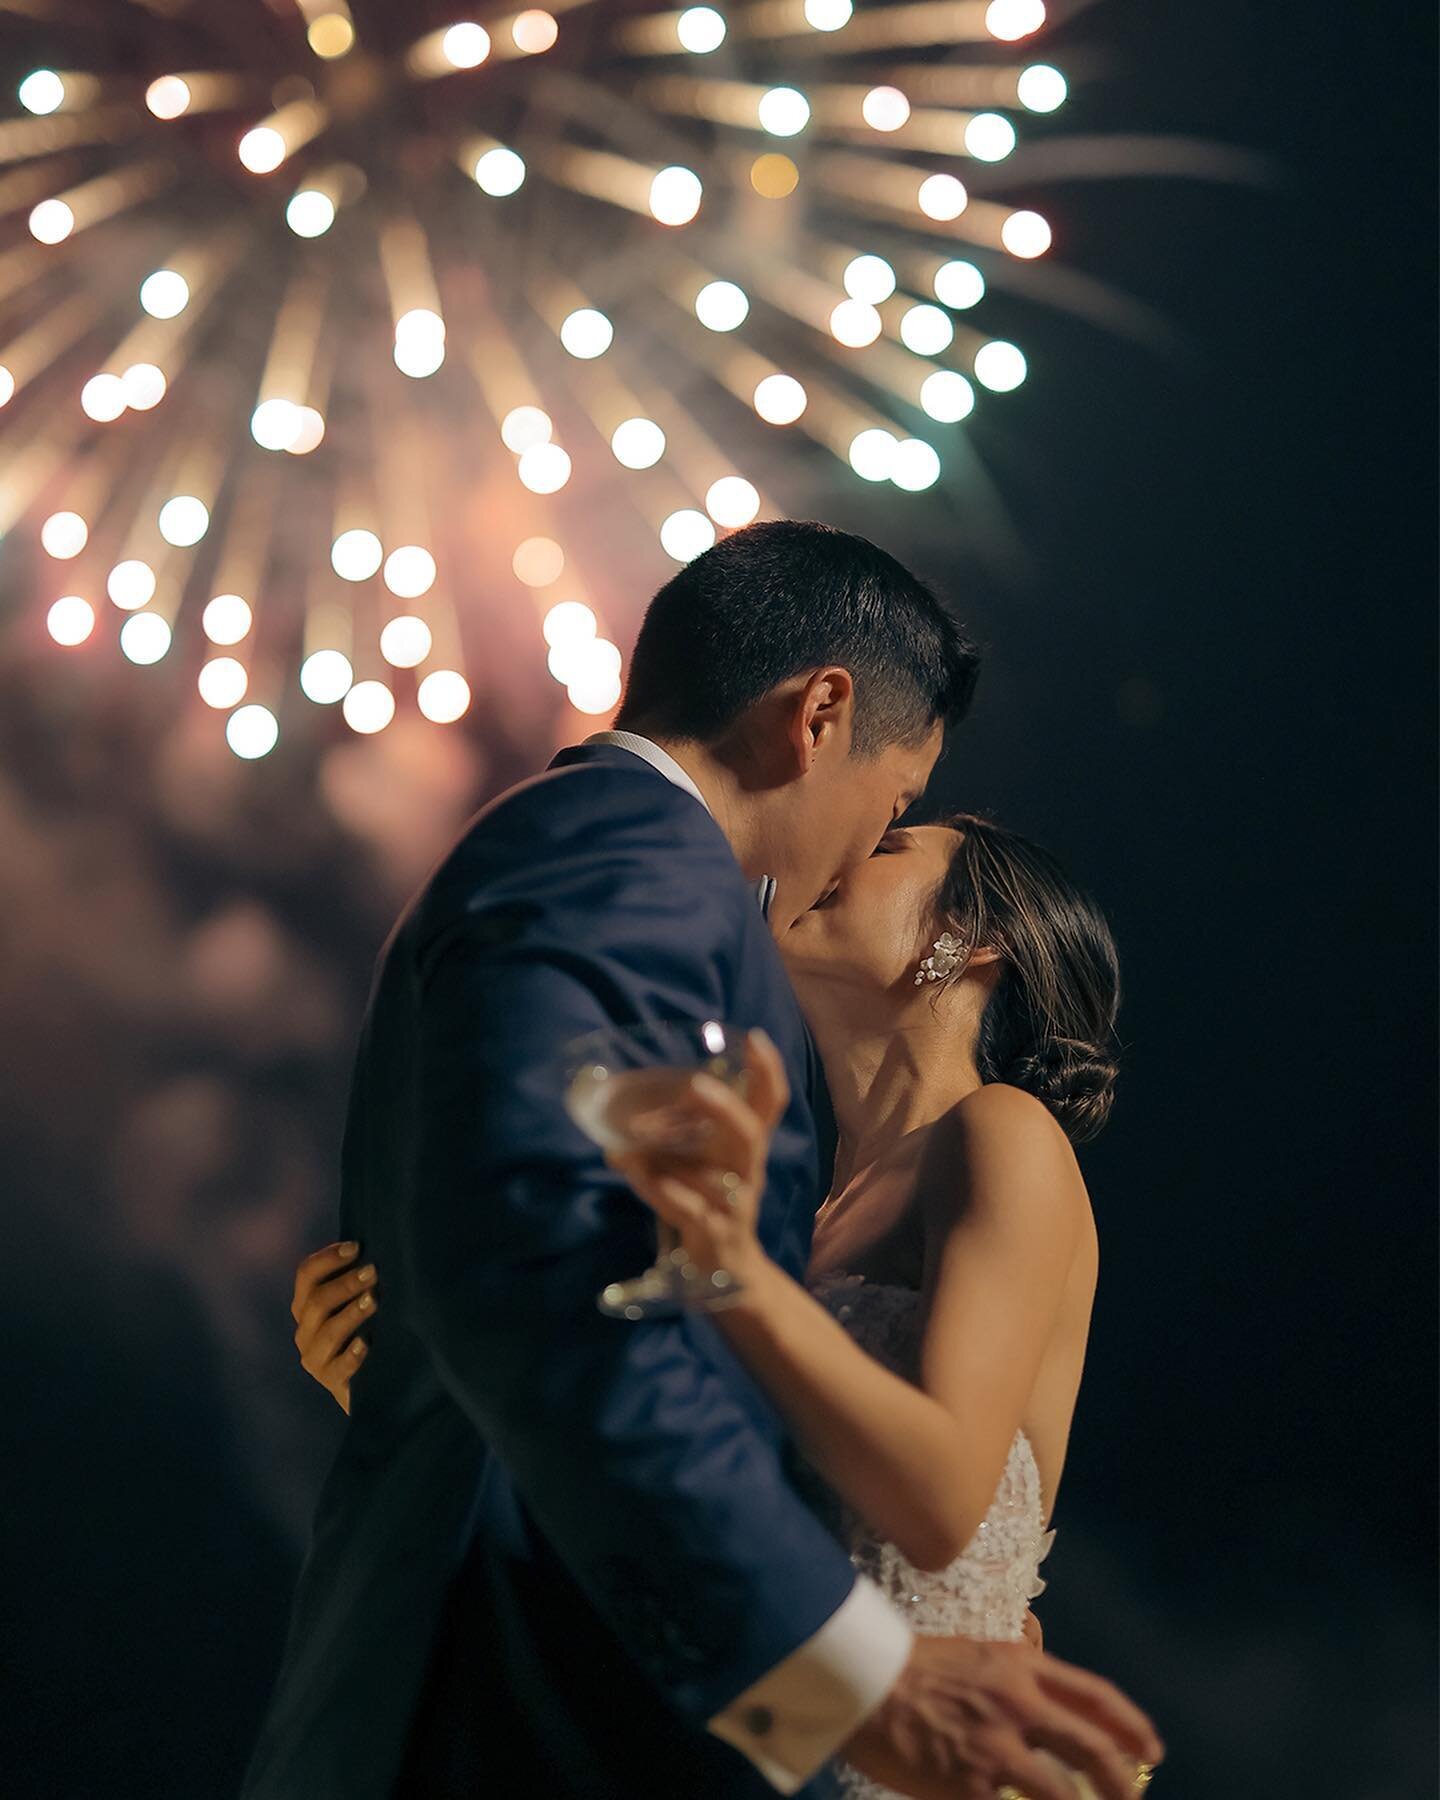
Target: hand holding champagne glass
630,1089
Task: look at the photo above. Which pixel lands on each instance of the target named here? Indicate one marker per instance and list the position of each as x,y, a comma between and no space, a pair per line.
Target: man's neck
724,795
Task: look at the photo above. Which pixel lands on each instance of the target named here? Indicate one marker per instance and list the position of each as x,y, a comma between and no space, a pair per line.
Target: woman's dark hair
1049,1025
782,597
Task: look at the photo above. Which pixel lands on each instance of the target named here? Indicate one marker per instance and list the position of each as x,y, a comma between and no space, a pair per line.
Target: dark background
1210,691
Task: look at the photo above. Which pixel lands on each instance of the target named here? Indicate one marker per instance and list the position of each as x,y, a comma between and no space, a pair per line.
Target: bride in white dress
963,994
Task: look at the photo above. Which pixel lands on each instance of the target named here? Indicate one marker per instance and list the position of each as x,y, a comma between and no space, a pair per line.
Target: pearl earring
945,957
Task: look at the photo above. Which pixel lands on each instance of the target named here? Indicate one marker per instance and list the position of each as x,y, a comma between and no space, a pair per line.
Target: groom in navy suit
561,1554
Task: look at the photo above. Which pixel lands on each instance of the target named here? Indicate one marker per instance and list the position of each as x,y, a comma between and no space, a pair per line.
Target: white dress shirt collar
652,753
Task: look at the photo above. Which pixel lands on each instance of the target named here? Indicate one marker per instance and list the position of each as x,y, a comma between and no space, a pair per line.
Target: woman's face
869,933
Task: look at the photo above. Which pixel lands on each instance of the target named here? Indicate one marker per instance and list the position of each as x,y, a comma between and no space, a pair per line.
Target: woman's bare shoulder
1001,1146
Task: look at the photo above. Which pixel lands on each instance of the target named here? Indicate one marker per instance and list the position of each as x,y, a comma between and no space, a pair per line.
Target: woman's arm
1002,1208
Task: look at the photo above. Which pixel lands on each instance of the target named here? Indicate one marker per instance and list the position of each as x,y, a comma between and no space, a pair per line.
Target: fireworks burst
284,282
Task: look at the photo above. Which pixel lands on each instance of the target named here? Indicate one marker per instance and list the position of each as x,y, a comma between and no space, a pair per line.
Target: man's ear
826,712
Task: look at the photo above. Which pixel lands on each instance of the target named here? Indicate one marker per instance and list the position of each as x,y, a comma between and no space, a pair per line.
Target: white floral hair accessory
946,955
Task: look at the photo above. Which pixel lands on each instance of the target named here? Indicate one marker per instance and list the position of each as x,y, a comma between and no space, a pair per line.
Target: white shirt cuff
799,1713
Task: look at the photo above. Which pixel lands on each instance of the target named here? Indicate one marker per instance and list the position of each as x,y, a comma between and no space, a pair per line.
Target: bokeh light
783,111
780,399
732,501
567,621
885,109
538,561
310,214
872,453
927,330
368,707
165,294
311,433
227,619
999,366
523,426
51,222
275,424
63,535
1010,20
331,35
1026,234
103,398
990,137
41,92
675,196
443,696
722,306
959,285
406,641
686,534
869,278
222,682
184,521
544,468
916,465
145,637
854,323
947,396
131,584
942,197
828,15
70,620
326,677
143,385
700,30
586,333
638,443
252,731
1042,89
168,97
356,554
465,46
262,150
410,572
534,31
499,172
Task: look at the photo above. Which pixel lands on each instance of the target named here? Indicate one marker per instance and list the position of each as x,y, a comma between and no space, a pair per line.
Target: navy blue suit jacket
552,1543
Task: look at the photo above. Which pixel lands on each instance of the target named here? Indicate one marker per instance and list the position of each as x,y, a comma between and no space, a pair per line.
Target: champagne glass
625,1088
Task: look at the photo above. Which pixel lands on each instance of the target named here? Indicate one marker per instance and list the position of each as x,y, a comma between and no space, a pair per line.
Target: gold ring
1009,1793
1144,1775
732,1184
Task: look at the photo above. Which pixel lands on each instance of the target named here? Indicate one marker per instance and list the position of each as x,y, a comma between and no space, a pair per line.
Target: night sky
1209,688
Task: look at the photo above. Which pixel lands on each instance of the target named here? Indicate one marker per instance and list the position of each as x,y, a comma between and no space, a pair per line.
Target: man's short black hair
780,598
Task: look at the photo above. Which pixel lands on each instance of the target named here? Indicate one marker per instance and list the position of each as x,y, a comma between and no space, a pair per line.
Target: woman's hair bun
1074,1080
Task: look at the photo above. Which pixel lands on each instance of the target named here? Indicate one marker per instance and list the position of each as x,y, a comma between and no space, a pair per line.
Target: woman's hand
328,1309
714,1201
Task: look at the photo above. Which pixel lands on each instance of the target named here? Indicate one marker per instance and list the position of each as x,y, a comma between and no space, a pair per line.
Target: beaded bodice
985,1591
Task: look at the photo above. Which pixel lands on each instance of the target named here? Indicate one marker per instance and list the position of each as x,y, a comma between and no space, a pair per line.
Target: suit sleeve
652,1468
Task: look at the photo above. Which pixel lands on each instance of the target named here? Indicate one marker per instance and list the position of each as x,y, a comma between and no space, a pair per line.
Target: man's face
838,814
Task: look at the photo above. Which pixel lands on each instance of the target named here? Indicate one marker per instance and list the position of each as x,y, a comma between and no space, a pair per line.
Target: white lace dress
985,1592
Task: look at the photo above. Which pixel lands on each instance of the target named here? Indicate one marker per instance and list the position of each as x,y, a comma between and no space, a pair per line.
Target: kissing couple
782,1535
